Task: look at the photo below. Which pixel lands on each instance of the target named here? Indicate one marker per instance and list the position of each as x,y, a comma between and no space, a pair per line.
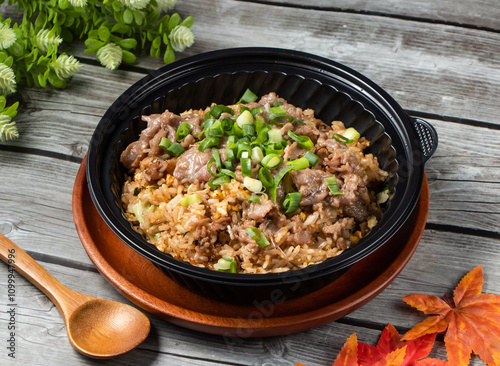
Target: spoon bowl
96,327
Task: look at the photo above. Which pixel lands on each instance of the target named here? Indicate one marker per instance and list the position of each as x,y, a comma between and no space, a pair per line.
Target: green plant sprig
115,30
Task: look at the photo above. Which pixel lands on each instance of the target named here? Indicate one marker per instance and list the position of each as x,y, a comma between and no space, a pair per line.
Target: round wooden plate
140,281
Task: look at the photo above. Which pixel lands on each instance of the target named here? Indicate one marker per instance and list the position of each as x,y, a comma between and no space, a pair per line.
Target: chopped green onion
227,124
190,200
217,110
259,123
225,264
262,135
292,202
207,142
303,141
342,139
256,110
277,179
228,173
333,186
382,196
176,149
252,184
272,161
277,110
236,131
248,130
165,143
182,131
276,103
213,183
246,167
244,118
276,149
137,190
257,154
242,147
352,134
209,169
229,165
312,158
253,199
247,97
258,236
230,153
266,177
300,163
138,209
275,135
215,129
244,108
208,122
216,155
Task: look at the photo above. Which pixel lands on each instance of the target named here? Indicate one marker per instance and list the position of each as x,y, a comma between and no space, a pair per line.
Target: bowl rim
324,66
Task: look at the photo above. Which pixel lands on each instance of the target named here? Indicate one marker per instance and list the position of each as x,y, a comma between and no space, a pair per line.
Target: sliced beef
300,236
311,184
192,166
257,211
293,151
310,131
158,169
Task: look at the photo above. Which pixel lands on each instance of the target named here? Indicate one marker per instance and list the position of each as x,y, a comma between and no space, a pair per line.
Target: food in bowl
256,187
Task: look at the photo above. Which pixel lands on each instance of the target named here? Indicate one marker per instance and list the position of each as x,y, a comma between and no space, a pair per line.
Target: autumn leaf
390,341
348,355
471,322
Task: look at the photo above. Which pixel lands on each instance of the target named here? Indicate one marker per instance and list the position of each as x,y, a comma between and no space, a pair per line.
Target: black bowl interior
334,91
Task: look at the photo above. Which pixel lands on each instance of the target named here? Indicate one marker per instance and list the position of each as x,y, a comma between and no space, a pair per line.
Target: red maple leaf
472,321
390,341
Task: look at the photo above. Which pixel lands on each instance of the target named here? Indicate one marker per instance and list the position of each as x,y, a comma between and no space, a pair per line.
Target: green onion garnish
259,123
312,158
382,196
248,130
228,164
246,167
213,183
247,97
236,131
228,173
243,146
272,161
352,134
176,149
253,199
342,139
218,163
266,177
276,103
300,163
217,110
225,264
275,135
262,135
292,202
207,142
165,143
215,129
190,200
303,141
137,190
182,131
257,154
227,125
333,186
256,110
277,179
244,118
253,185
258,236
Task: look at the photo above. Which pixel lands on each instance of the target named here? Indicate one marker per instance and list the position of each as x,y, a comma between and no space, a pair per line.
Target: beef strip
311,184
192,166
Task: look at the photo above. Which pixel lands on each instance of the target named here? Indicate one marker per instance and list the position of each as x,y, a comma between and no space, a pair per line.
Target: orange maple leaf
473,321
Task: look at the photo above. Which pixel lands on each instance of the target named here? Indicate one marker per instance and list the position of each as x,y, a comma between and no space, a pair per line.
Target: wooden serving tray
140,281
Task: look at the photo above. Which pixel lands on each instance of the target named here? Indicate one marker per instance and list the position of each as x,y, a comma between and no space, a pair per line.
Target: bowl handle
427,136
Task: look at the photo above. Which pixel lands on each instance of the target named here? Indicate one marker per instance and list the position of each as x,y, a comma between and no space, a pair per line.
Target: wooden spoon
96,327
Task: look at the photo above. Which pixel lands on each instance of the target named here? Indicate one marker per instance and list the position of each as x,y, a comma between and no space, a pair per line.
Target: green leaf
93,45
104,33
3,56
12,110
42,81
66,35
16,49
61,19
157,42
127,43
188,22
169,55
174,21
128,57
64,4
55,81
139,17
117,6
9,61
128,16
40,21
2,102
120,28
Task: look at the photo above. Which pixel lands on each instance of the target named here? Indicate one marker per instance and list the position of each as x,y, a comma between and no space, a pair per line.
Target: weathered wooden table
439,59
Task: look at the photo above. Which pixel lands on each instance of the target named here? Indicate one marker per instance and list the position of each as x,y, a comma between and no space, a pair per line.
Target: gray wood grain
482,13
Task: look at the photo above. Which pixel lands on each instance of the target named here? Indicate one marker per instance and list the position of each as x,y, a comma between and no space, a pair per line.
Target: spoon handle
13,255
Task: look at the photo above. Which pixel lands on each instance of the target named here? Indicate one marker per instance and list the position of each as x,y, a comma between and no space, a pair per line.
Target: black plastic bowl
401,143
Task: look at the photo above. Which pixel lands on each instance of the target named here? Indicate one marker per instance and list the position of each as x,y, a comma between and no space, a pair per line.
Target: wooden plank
482,13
